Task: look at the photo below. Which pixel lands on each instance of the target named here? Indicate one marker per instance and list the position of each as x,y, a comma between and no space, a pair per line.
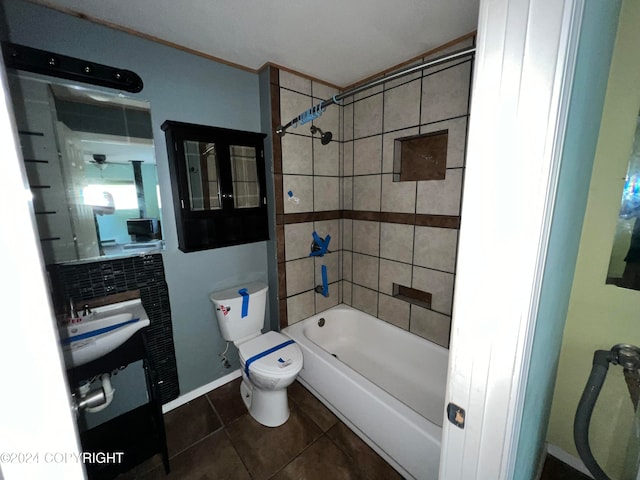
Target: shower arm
317,110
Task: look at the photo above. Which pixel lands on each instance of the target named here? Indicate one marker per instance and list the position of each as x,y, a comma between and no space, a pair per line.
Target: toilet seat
279,363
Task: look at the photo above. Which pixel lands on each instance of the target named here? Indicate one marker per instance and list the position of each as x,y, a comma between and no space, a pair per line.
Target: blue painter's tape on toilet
264,354
245,301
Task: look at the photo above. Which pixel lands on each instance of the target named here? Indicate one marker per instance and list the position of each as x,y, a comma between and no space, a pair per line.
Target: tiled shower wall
385,233
311,172
404,233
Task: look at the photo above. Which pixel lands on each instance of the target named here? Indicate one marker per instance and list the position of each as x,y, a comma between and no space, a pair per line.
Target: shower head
325,137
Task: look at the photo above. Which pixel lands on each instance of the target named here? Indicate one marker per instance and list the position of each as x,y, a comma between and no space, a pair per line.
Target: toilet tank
230,305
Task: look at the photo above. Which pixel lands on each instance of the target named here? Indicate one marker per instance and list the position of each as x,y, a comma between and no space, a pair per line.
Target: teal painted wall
181,87
596,39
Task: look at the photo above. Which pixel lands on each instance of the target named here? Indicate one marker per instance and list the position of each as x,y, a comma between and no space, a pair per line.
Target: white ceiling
338,41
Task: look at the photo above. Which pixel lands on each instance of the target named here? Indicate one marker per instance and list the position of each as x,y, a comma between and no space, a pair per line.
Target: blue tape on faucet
264,354
245,301
322,243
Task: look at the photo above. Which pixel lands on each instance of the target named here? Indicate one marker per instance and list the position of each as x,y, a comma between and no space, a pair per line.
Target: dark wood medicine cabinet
219,185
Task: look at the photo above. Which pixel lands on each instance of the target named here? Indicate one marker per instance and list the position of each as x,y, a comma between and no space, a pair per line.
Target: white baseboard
567,458
198,392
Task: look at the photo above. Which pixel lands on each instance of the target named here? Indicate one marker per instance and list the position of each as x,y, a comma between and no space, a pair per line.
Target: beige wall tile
347,288
347,158
365,300
402,106
398,196
439,284
430,325
323,303
295,82
297,240
406,78
334,270
366,237
367,116
329,121
366,193
368,92
326,158
347,122
330,227
293,104
388,146
326,192
367,155
302,188
445,94
365,270
396,242
300,307
322,91
435,248
299,275
347,234
347,266
297,156
393,272
394,311
440,197
347,193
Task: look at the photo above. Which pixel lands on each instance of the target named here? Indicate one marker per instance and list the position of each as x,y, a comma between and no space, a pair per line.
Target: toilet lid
280,362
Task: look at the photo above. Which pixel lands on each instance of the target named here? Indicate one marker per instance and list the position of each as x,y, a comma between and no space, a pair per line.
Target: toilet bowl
265,381
270,362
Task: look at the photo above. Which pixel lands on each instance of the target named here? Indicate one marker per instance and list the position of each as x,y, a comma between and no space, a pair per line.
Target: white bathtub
386,384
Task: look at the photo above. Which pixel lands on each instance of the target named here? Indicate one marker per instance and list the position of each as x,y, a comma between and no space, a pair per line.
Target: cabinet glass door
244,173
203,176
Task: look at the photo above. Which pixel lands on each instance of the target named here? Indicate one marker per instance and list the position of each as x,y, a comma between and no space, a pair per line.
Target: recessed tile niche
421,157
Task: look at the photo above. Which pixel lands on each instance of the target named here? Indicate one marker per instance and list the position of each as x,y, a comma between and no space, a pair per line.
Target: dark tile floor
214,437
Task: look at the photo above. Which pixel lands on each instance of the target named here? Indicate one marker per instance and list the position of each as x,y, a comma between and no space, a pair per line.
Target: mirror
624,265
90,161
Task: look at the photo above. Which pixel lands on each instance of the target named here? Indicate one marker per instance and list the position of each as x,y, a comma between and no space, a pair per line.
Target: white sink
102,331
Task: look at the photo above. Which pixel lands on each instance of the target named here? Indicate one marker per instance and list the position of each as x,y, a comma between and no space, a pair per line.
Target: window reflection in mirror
90,162
624,265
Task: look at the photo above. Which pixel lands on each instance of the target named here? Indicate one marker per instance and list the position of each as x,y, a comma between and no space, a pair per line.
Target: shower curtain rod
315,111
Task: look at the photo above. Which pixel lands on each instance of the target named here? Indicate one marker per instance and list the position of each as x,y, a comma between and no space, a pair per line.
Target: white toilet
270,362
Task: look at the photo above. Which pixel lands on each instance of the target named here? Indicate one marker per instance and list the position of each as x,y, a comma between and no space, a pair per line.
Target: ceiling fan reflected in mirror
100,161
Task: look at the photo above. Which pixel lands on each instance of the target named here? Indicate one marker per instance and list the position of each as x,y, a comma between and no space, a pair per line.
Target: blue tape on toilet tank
264,354
245,301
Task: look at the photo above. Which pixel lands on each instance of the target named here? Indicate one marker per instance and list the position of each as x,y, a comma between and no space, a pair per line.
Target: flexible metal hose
601,360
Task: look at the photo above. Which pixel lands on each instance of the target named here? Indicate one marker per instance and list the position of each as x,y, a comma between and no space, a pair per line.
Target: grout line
233,445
